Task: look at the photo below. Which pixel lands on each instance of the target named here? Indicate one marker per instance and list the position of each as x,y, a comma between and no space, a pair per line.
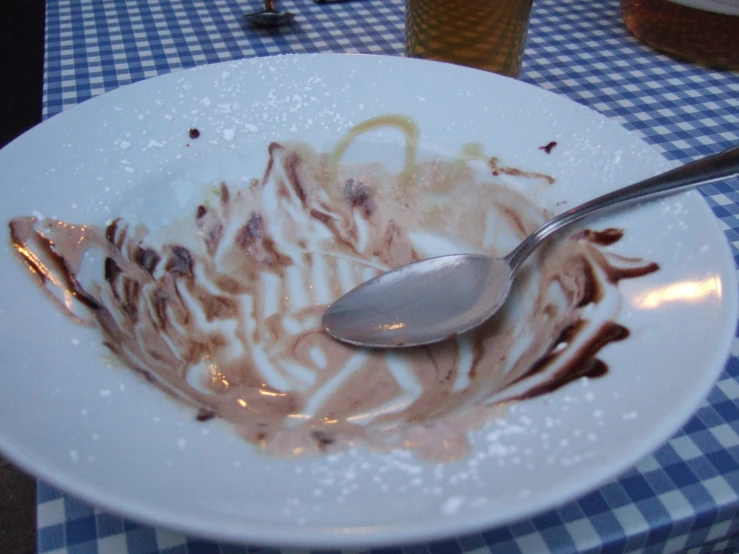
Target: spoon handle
700,172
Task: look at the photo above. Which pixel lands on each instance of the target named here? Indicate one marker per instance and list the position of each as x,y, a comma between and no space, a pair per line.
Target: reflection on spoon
439,298
269,17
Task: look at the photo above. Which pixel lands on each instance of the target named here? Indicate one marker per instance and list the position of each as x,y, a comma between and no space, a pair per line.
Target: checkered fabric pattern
684,497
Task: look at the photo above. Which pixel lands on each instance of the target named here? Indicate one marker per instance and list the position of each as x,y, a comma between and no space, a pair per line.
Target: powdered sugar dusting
141,149
452,505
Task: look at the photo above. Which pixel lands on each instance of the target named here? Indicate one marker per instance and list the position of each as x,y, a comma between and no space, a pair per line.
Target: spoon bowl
414,295
439,298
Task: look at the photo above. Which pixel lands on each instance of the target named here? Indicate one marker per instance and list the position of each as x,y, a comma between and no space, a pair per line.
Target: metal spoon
269,17
438,298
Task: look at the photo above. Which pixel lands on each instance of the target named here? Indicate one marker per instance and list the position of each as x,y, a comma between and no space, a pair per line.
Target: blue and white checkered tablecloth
684,497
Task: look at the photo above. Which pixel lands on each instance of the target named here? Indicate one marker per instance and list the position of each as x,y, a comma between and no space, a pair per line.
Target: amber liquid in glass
701,36
484,34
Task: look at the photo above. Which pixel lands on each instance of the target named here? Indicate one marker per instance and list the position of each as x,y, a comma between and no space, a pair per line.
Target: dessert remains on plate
221,309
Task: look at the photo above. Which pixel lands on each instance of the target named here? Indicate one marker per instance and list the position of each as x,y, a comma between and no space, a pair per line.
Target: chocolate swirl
222,309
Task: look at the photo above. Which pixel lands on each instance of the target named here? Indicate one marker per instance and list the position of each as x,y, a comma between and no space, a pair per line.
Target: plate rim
316,537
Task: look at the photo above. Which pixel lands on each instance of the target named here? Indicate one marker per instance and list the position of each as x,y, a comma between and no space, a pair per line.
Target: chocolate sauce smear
497,168
585,364
221,309
549,147
606,237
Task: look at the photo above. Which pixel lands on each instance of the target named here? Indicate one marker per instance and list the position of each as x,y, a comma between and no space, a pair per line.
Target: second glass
484,34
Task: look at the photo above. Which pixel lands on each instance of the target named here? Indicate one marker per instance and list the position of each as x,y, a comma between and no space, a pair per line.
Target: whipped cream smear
221,309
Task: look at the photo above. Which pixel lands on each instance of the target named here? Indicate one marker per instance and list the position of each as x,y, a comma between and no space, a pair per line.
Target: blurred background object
482,34
701,31
269,16
21,66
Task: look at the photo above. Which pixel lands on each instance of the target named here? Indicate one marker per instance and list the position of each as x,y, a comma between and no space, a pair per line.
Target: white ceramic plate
106,436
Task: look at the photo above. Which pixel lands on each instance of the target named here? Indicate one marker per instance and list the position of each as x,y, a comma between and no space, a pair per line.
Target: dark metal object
269,17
